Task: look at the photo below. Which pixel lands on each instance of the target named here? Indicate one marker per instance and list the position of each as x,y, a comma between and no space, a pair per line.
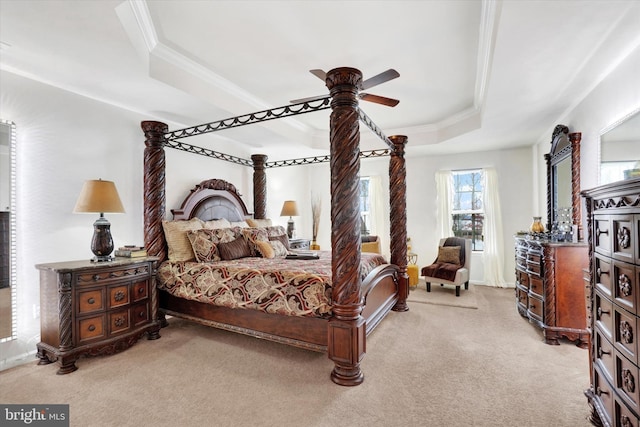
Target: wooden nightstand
299,244
95,308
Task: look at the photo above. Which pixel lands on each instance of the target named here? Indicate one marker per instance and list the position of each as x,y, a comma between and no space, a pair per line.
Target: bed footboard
379,294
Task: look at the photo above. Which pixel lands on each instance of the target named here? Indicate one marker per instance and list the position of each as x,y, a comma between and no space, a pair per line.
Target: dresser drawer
91,328
523,297
535,307
603,354
625,285
623,416
90,301
603,392
602,236
626,381
602,276
536,286
625,332
623,229
522,278
603,314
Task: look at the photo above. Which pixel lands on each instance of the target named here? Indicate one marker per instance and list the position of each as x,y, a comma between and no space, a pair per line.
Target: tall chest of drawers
550,289
614,263
89,308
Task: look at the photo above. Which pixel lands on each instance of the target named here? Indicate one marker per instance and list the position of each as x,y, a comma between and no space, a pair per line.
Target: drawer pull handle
91,300
91,328
624,237
601,352
141,314
626,332
600,272
600,392
601,312
96,277
628,381
624,284
141,290
599,232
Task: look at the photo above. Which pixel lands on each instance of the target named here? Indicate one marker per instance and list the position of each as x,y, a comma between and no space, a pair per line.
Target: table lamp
290,209
98,196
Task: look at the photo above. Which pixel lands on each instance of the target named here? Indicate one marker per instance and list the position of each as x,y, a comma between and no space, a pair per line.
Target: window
365,205
467,211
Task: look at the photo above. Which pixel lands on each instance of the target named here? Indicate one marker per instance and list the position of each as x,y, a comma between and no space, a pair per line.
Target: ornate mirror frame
564,145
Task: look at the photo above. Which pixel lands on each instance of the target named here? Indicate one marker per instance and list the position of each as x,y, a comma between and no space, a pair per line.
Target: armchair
452,265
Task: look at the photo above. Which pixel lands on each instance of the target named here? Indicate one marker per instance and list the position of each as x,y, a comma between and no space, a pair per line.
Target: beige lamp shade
289,208
99,196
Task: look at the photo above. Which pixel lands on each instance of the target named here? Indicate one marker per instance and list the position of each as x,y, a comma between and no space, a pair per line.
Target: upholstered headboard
213,199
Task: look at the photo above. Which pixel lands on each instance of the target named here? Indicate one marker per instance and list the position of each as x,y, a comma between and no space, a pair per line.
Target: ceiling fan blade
390,102
319,74
312,98
385,76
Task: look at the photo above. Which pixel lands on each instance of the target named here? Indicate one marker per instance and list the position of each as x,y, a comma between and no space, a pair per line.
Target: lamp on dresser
290,209
98,196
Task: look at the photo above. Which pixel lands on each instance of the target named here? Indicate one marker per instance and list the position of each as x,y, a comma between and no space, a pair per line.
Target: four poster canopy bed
216,271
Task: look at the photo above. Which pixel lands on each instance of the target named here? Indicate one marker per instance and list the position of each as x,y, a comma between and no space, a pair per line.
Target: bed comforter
277,285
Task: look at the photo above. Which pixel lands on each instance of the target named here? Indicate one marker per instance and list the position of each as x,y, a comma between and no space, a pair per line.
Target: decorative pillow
253,235
449,254
205,242
265,249
241,224
282,239
217,223
175,233
258,222
235,249
278,248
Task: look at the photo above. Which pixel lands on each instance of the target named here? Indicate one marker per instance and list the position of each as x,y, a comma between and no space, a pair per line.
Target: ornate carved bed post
154,187
398,217
259,186
347,335
576,207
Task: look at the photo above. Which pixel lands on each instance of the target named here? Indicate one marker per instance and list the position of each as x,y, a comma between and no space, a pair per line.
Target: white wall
62,140
611,100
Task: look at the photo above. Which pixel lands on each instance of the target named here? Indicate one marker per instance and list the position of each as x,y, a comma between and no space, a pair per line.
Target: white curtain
493,253
444,202
379,215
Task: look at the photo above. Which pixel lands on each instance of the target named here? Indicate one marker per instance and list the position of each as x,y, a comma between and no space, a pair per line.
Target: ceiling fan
383,77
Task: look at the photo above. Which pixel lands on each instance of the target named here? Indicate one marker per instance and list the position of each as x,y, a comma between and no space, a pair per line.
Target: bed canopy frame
346,331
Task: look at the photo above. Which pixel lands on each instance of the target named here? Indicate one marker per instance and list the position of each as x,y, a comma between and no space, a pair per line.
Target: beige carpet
444,295
431,366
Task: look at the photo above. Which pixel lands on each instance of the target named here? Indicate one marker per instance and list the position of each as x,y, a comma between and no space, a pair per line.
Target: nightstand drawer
140,290
90,301
91,328
119,321
118,296
140,314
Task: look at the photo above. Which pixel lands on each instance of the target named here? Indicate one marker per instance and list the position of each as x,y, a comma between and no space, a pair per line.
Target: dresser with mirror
550,289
